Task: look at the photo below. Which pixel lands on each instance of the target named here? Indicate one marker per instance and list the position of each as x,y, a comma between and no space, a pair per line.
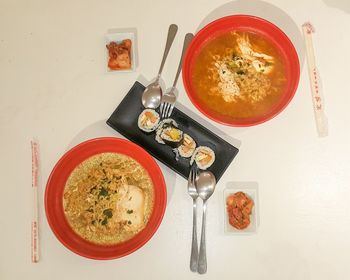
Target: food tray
124,120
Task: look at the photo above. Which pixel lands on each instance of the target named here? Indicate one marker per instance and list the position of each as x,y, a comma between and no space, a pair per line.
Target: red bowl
55,188
251,24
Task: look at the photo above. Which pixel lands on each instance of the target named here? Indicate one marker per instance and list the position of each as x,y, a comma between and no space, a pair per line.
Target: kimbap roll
172,136
204,157
148,120
188,146
163,124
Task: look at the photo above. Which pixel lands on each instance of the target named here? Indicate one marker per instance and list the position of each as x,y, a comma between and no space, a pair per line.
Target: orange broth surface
205,81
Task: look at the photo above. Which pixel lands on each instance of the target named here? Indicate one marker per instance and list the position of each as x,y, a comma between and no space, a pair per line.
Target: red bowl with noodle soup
58,182
241,70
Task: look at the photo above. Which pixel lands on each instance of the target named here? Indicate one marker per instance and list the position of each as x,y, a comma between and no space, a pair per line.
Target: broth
239,75
108,198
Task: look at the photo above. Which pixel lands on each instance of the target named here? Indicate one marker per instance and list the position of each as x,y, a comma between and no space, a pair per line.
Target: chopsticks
34,224
315,82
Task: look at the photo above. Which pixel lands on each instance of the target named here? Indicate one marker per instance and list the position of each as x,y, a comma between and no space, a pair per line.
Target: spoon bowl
205,183
152,95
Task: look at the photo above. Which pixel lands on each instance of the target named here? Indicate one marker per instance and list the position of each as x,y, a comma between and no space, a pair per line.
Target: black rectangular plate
124,120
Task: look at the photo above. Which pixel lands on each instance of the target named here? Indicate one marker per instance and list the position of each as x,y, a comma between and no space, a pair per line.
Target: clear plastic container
250,189
118,35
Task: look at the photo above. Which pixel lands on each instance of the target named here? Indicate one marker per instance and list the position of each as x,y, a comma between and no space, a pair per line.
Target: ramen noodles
239,75
108,198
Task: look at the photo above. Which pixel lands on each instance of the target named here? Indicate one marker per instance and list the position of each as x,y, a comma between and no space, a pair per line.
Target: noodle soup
239,75
108,198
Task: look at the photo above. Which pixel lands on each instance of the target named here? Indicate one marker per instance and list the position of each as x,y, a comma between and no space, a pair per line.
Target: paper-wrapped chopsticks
315,82
34,224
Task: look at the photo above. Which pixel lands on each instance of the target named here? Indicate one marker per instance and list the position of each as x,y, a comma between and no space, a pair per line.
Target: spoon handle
202,260
187,40
169,41
194,249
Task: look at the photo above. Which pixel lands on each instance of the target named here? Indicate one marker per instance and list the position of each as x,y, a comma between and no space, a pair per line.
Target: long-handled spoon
205,185
152,94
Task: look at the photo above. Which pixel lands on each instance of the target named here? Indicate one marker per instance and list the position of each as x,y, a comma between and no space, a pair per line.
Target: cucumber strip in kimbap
163,124
204,157
188,146
148,120
172,136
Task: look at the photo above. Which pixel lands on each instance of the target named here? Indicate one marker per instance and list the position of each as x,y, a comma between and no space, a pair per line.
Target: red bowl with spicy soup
258,27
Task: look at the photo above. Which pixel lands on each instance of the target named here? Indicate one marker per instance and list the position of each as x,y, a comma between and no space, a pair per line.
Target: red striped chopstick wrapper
34,225
315,82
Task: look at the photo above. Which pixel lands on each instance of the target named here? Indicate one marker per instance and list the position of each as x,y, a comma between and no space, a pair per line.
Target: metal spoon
152,94
205,185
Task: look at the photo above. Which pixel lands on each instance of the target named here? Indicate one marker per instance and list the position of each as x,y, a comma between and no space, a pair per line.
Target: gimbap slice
188,146
163,124
204,157
172,136
148,120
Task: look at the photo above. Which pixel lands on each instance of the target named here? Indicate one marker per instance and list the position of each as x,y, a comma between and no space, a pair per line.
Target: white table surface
53,85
